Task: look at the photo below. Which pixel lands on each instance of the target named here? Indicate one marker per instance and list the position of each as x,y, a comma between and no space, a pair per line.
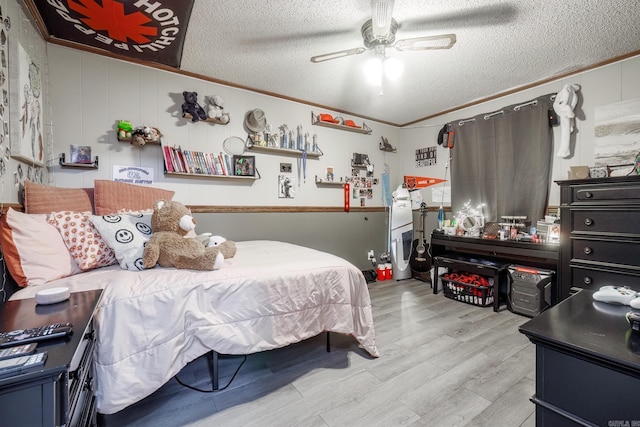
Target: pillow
34,251
112,196
83,241
126,235
43,199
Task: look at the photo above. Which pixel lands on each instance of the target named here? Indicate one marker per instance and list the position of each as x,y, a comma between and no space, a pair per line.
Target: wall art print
25,87
617,132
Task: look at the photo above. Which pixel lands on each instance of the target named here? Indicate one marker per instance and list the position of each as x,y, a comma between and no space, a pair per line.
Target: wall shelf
328,183
385,146
283,151
64,164
353,165
207,176
146,143
208,119
364,129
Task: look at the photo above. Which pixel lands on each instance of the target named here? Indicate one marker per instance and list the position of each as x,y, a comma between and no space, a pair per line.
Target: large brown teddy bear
168,247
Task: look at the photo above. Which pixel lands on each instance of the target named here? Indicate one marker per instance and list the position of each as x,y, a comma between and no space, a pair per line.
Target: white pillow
33,249
126,235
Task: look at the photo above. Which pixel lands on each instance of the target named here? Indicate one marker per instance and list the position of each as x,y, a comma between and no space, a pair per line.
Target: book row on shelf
197,162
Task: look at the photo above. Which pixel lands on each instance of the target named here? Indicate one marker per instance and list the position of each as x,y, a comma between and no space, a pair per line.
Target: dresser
600,233
61,392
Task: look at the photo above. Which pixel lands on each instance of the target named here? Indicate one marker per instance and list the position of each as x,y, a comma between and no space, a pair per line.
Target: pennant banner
144,29
421,181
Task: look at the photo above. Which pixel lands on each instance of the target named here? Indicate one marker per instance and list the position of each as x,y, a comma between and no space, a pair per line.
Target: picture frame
81,154
244,165
26,112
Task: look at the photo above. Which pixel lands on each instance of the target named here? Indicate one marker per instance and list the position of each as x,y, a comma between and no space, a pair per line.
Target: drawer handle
587,280
588,250
588,194
588,221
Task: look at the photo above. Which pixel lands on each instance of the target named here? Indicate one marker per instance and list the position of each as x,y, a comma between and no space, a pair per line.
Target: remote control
18,364
24,336
18,350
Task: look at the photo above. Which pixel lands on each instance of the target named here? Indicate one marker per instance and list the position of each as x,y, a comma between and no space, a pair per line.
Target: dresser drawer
621,193
619,252
593,279
619,221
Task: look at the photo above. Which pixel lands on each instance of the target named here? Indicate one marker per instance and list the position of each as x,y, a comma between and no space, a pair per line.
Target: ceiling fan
379,32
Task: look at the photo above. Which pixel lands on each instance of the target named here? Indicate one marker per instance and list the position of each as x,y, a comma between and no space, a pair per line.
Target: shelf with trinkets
282,151
364,129
63,163
320,181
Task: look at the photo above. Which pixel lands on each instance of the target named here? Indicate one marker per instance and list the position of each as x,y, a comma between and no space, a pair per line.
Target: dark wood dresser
600,233
60,392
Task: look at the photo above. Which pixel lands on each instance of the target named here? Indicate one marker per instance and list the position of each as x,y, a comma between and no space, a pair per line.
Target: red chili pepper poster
143,29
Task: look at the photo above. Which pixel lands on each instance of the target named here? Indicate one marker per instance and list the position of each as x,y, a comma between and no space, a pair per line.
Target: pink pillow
83,241
33,249
43,199
112,196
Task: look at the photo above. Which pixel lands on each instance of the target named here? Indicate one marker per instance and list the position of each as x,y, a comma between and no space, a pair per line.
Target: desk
587,364
538,255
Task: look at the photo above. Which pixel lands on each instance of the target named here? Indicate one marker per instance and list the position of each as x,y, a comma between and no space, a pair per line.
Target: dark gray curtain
504,161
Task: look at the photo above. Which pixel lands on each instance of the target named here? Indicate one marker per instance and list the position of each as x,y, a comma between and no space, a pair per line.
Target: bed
151,323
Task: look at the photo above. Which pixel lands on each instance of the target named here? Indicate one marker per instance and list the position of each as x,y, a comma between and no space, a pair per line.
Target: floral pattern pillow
84,242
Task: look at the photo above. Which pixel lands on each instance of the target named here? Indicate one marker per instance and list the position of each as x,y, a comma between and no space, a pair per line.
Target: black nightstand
61,392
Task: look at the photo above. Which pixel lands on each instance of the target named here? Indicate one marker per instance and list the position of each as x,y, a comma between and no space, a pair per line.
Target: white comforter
151,323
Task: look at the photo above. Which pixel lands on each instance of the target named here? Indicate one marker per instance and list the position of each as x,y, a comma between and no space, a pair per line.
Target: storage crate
478,292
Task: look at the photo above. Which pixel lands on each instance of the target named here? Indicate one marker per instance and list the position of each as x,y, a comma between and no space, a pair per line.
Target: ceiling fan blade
443,41
381,11
339,54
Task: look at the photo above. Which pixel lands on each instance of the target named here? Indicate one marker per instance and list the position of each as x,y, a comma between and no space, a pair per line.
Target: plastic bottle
440,217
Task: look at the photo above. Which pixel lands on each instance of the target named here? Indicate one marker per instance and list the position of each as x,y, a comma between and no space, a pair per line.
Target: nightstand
61,392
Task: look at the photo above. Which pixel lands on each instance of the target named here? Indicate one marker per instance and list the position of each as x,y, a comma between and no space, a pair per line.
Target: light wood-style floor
442,363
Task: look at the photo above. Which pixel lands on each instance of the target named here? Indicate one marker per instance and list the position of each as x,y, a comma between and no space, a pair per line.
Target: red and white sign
413,182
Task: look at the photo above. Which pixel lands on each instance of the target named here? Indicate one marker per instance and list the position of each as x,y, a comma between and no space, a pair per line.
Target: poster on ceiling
145,30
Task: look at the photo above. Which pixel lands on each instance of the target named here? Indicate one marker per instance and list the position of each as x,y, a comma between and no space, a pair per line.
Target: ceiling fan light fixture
393,68
373,71
379,66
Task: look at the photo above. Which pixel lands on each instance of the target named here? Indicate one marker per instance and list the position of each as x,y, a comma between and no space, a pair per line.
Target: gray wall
348,235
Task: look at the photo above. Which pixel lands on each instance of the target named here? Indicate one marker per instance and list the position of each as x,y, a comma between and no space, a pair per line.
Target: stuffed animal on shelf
171,221
563,105
190,106
140,135
215,109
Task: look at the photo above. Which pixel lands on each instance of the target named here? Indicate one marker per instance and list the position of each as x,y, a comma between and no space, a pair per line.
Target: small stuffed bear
227,247
215,108
168,247
191,106
141,135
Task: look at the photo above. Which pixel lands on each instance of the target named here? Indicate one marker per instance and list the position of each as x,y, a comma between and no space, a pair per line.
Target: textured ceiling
501,45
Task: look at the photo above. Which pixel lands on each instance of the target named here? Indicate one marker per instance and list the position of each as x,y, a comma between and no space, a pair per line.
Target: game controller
618,295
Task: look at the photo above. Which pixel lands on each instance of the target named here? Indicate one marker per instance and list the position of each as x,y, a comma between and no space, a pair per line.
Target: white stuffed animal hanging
563,105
